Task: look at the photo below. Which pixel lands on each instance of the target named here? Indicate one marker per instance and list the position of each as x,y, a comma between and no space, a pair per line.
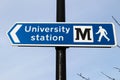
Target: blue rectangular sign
63,34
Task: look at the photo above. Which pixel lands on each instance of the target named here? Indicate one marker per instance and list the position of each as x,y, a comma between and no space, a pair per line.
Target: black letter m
83,34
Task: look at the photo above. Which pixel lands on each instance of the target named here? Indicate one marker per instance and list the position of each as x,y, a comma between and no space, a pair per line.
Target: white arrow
13,34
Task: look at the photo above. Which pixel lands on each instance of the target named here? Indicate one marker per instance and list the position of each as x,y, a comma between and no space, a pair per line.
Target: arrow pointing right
13,34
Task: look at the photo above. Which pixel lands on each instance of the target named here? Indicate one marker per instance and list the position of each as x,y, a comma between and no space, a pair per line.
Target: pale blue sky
39,63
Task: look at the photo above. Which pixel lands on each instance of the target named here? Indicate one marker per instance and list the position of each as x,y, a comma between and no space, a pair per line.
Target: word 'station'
63,34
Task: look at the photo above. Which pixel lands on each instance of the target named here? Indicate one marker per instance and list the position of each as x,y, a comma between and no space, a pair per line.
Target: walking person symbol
103,33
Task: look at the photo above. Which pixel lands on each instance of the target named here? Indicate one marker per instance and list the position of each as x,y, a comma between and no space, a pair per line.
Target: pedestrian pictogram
103,33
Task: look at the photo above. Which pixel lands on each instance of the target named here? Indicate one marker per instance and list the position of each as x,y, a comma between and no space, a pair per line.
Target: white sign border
65,45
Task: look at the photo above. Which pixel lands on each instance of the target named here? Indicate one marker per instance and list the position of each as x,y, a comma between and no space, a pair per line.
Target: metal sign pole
60,63
60,51
60,11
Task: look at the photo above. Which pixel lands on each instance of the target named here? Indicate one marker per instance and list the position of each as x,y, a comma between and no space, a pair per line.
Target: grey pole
60,11
60,63
60,51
